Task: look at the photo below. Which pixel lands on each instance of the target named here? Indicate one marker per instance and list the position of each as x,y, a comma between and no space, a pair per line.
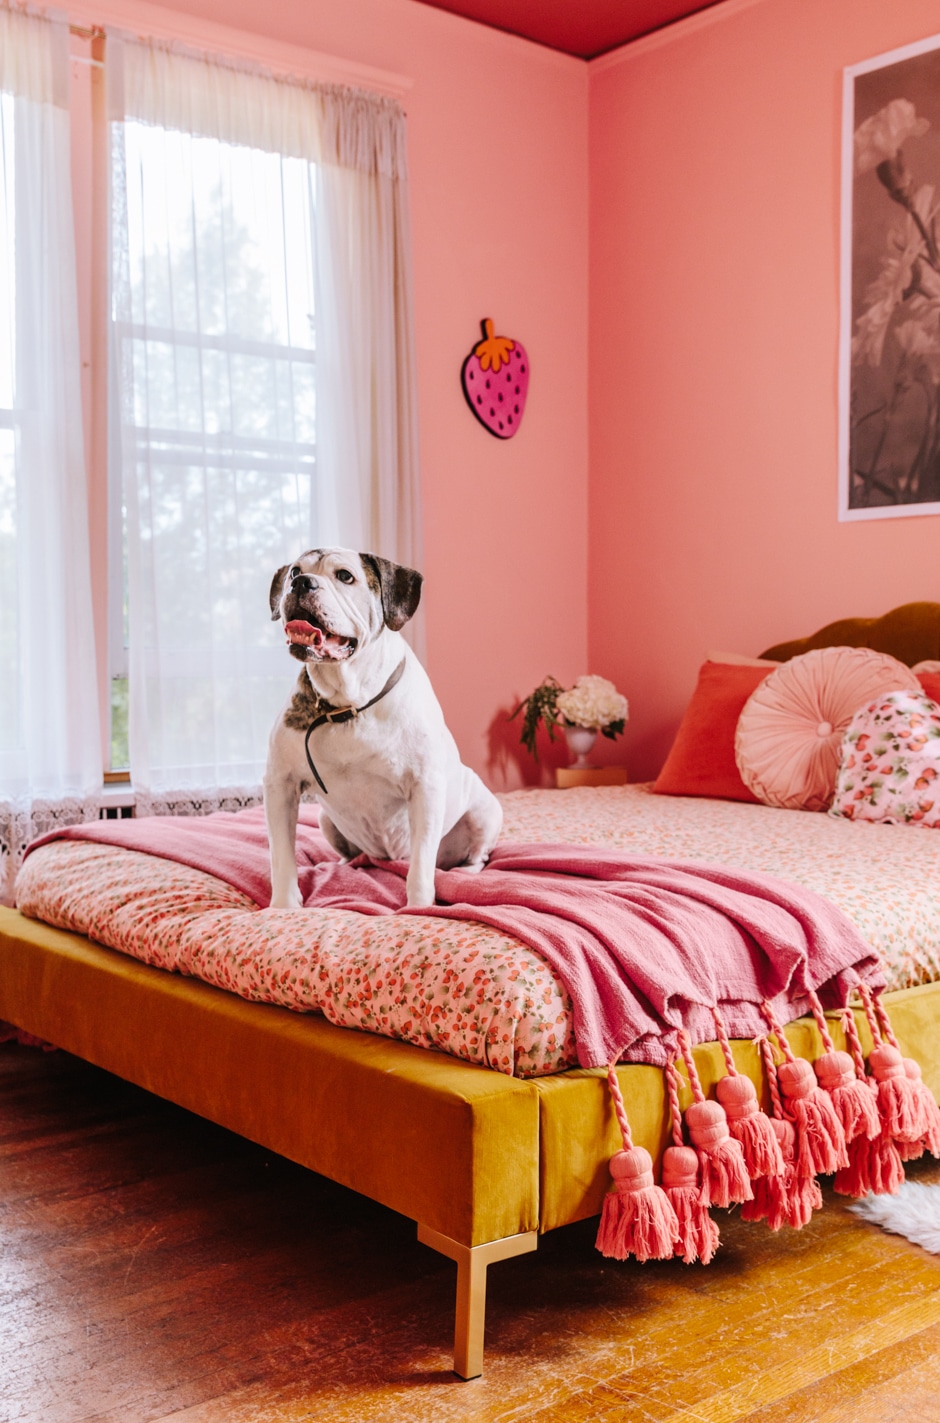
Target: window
261,396
251,395
214,338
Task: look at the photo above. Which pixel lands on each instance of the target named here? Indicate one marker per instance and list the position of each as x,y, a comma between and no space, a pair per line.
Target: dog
364,731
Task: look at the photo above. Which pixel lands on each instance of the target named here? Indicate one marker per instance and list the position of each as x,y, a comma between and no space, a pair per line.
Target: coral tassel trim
637,1218
725,1180
746,1122
698,1233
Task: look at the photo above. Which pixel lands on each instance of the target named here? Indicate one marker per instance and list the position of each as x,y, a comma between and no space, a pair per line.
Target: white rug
914,1212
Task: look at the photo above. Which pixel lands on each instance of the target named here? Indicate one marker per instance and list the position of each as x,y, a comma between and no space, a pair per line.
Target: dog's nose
302,584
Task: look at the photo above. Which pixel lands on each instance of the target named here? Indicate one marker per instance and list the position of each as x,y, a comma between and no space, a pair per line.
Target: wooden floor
154,1267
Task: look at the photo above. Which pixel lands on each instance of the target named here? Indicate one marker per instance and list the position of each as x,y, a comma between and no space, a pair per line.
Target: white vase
580,741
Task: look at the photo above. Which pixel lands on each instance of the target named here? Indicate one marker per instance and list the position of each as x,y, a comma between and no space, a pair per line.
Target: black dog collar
347,714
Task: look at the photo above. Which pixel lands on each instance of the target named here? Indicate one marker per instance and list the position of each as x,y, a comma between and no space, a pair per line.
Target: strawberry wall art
495,379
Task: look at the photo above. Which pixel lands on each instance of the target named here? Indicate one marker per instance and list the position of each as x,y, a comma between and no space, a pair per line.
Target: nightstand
567,776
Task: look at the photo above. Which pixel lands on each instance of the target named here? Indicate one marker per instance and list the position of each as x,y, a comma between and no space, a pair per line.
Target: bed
435,1070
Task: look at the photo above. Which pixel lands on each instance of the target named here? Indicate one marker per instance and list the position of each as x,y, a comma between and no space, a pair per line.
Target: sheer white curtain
368,426
262,383
50,748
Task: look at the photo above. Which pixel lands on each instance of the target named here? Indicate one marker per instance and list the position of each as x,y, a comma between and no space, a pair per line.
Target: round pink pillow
790,731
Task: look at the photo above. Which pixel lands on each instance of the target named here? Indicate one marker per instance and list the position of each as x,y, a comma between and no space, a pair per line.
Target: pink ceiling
585,28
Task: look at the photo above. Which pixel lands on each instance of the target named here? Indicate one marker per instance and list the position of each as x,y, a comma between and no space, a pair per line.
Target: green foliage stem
539,706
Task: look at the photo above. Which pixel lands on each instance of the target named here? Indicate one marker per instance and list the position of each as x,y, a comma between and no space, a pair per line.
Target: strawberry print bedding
886,878
460,987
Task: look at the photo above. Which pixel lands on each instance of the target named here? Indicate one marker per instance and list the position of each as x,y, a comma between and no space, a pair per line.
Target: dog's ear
398,587
277,588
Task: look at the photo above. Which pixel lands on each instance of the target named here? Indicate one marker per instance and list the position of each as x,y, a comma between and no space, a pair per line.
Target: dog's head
333,601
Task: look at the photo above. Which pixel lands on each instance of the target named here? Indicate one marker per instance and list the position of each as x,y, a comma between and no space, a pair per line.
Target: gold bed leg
472,1261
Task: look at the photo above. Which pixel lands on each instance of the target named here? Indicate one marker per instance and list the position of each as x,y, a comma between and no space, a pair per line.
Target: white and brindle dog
364,731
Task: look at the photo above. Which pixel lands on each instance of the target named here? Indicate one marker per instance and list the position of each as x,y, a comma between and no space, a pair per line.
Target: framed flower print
889,376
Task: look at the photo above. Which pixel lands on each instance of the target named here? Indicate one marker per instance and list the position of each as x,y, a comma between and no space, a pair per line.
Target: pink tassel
874,1165
930,1140
787,1199
854,1103
926,1102
746,1122
852,1099
804,1198
698,1233
820,1139
902,1098
874,1162
900,1111
766,1203
724,1173
772,1193
637,1218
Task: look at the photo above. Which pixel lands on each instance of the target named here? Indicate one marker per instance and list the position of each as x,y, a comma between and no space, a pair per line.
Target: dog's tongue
303,633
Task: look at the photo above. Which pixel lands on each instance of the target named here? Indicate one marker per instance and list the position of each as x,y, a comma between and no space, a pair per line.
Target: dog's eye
344,575
294,573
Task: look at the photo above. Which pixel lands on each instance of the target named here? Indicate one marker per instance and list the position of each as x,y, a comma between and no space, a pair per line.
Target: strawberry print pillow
890,762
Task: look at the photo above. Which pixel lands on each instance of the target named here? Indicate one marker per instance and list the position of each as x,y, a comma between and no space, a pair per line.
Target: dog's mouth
310,643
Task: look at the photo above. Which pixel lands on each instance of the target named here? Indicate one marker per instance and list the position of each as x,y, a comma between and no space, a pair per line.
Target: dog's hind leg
468,844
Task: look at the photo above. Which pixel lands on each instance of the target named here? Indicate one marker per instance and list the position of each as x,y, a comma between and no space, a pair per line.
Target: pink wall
497,132
714,260
713,152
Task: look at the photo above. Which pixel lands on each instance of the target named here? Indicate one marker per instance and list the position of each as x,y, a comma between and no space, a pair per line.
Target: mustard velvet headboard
910,633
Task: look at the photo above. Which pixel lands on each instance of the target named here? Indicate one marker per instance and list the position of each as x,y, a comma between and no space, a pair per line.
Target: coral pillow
890,767
790,732
701,761
930,681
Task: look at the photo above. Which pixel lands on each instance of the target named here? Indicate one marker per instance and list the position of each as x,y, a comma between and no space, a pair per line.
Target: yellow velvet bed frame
484,1163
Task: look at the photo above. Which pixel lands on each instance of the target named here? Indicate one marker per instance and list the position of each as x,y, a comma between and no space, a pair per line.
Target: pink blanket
643,946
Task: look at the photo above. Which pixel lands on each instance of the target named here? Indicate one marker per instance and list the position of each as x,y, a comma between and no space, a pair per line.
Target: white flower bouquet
593,703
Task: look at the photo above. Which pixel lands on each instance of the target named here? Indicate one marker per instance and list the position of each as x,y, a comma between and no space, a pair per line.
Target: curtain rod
84,33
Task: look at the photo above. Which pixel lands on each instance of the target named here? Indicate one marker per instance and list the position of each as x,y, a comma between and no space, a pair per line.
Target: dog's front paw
420,892
289,898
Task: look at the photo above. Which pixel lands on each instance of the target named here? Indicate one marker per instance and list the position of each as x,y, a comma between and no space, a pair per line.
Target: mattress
463,988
